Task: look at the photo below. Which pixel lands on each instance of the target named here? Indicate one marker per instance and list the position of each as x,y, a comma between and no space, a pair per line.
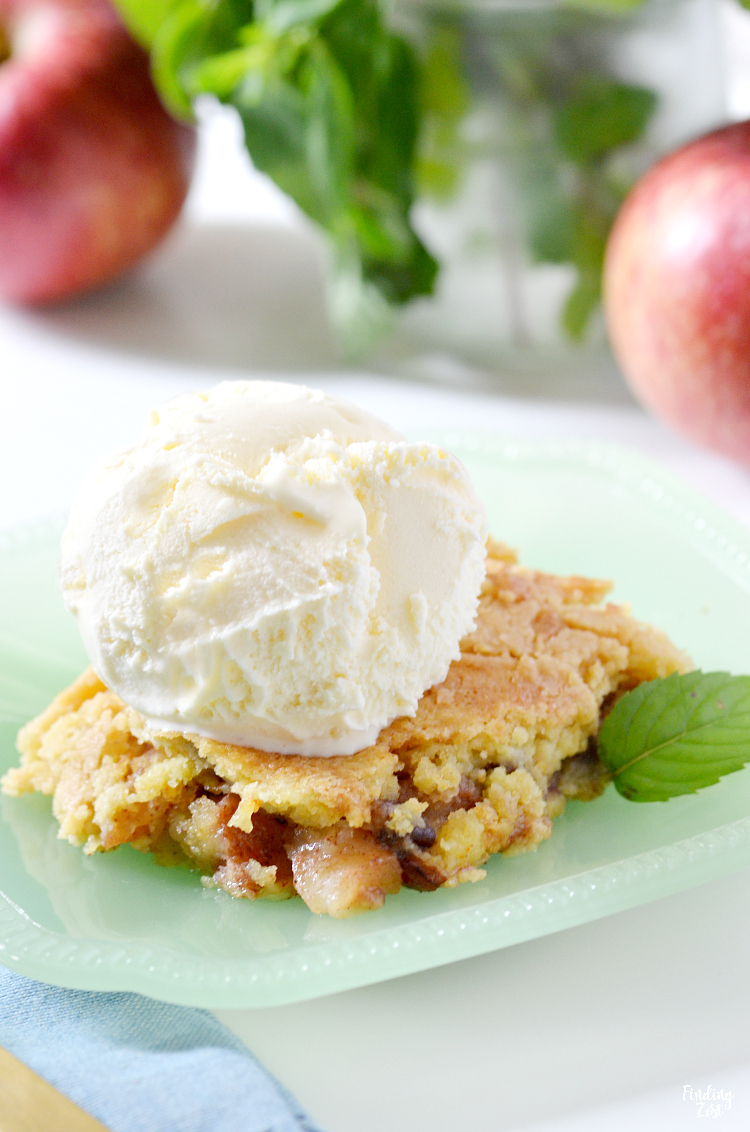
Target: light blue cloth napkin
139,1065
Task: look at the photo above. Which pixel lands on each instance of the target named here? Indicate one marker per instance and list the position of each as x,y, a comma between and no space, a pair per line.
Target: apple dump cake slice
489,759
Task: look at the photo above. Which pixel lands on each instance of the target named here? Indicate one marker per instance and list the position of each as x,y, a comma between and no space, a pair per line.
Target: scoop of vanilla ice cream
272,567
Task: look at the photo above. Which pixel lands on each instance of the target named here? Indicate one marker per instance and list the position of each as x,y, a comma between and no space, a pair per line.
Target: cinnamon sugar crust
486,763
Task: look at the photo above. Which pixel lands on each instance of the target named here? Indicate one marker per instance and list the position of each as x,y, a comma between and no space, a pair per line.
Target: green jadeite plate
118,921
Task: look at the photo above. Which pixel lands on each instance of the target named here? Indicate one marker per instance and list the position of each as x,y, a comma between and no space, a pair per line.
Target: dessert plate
119,921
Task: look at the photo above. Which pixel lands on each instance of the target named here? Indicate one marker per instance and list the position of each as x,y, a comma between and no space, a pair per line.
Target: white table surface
606,1026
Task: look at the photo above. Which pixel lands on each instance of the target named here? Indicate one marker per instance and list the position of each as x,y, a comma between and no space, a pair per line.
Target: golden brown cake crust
477,771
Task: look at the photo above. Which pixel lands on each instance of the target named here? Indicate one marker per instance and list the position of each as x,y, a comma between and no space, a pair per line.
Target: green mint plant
328,97
355,107
557,123
597,117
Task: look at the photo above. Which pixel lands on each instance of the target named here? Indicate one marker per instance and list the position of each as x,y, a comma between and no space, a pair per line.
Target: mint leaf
675,736
601,115
145,17
283,15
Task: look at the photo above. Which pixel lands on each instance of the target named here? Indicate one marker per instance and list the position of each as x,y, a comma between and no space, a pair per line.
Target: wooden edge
28,1103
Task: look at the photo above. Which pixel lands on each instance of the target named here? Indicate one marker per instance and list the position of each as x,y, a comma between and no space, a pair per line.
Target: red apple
93,171
677,290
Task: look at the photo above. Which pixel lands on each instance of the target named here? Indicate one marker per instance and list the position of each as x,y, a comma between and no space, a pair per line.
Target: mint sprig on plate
677,735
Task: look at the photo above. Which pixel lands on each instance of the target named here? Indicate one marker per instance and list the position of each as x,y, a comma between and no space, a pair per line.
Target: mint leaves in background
530,90
598,116
328,97
675,736
353,118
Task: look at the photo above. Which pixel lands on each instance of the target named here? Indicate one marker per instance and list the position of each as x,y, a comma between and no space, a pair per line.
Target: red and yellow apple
93,170
677,290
